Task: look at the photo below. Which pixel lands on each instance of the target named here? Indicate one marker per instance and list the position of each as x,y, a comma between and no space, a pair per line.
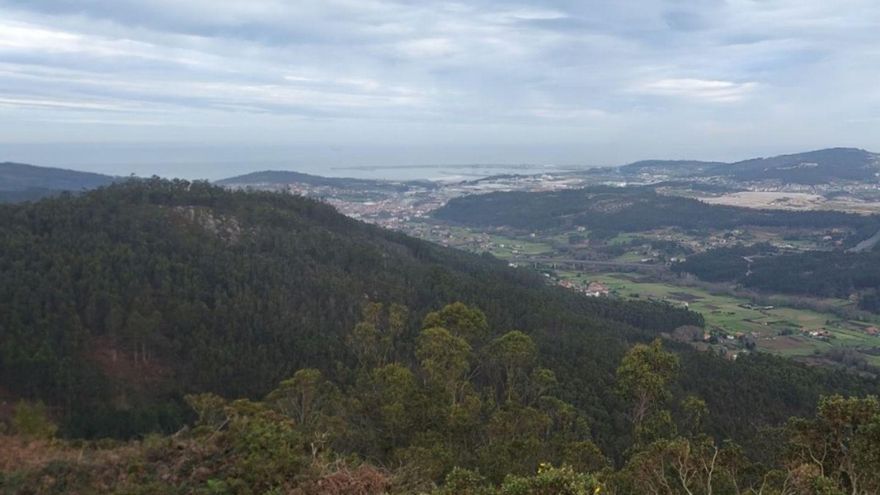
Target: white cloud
427,47
782,71
699,89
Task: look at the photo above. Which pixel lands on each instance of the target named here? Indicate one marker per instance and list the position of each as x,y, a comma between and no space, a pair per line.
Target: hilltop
20,182
117,302
131,295
813,167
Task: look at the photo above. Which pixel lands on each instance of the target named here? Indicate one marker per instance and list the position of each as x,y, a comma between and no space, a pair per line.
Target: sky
207,88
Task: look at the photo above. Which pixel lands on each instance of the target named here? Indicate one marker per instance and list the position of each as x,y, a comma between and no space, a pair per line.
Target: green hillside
306,350
116,302
19,181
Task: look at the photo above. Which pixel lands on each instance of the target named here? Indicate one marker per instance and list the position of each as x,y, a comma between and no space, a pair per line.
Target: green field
506,247
498,245
724,313
780,330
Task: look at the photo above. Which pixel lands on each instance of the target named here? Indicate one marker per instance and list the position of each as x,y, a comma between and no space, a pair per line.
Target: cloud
593,77
699,89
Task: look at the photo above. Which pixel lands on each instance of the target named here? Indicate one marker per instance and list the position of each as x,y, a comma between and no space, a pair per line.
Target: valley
326,328
266,247
632,258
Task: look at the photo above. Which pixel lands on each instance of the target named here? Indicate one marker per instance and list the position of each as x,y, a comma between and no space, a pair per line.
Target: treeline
815,273
115,303
609,210
460,412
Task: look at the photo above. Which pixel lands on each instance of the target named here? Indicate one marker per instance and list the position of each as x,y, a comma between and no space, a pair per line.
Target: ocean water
220,162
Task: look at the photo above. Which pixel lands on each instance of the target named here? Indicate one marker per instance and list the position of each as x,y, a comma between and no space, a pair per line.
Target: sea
220,162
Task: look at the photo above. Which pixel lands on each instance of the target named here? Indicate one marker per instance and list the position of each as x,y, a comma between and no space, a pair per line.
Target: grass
622,238
499,245
506,247
722,313
725,313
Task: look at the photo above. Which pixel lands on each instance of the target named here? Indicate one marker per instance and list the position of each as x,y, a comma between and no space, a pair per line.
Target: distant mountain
678,168
21,182
813,167
284,177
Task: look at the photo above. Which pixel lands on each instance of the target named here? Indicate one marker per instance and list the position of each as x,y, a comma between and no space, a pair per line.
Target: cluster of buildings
590,289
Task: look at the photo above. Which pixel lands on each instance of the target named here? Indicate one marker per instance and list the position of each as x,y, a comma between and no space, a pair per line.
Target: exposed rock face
226,228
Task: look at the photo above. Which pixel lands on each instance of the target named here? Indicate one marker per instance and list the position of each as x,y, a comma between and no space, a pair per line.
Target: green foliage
116,303
550,481
815,273
462,321
606,210
642,378
32,420
244,447
514,353
842,443
267,448
444,357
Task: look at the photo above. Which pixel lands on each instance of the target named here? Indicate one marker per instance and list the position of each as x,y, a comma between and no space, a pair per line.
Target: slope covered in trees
461,413
816,273
21,182
116,304
630,209
812,167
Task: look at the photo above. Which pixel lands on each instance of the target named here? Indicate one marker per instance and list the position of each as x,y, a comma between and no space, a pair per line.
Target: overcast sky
113,85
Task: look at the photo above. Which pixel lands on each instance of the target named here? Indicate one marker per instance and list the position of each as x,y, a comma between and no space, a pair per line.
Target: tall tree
444,357
642,378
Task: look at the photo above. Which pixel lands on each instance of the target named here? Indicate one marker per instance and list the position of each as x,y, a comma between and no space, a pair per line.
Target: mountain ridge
24,182
810,167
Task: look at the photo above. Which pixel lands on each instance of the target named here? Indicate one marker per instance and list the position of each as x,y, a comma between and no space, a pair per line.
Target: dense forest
815,273
307,350
115,303
459,413
631,209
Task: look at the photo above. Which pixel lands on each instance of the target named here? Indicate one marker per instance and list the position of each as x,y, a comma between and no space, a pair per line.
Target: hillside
20,182
115,303
127,297
628,209
340,342
814,167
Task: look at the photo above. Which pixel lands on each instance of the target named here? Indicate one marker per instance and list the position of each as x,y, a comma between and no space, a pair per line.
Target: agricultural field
508,247
499,245
792,201
778,329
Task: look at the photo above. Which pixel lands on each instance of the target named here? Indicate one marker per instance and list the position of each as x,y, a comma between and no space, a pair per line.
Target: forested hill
629,209
812,167
19,182
115,302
